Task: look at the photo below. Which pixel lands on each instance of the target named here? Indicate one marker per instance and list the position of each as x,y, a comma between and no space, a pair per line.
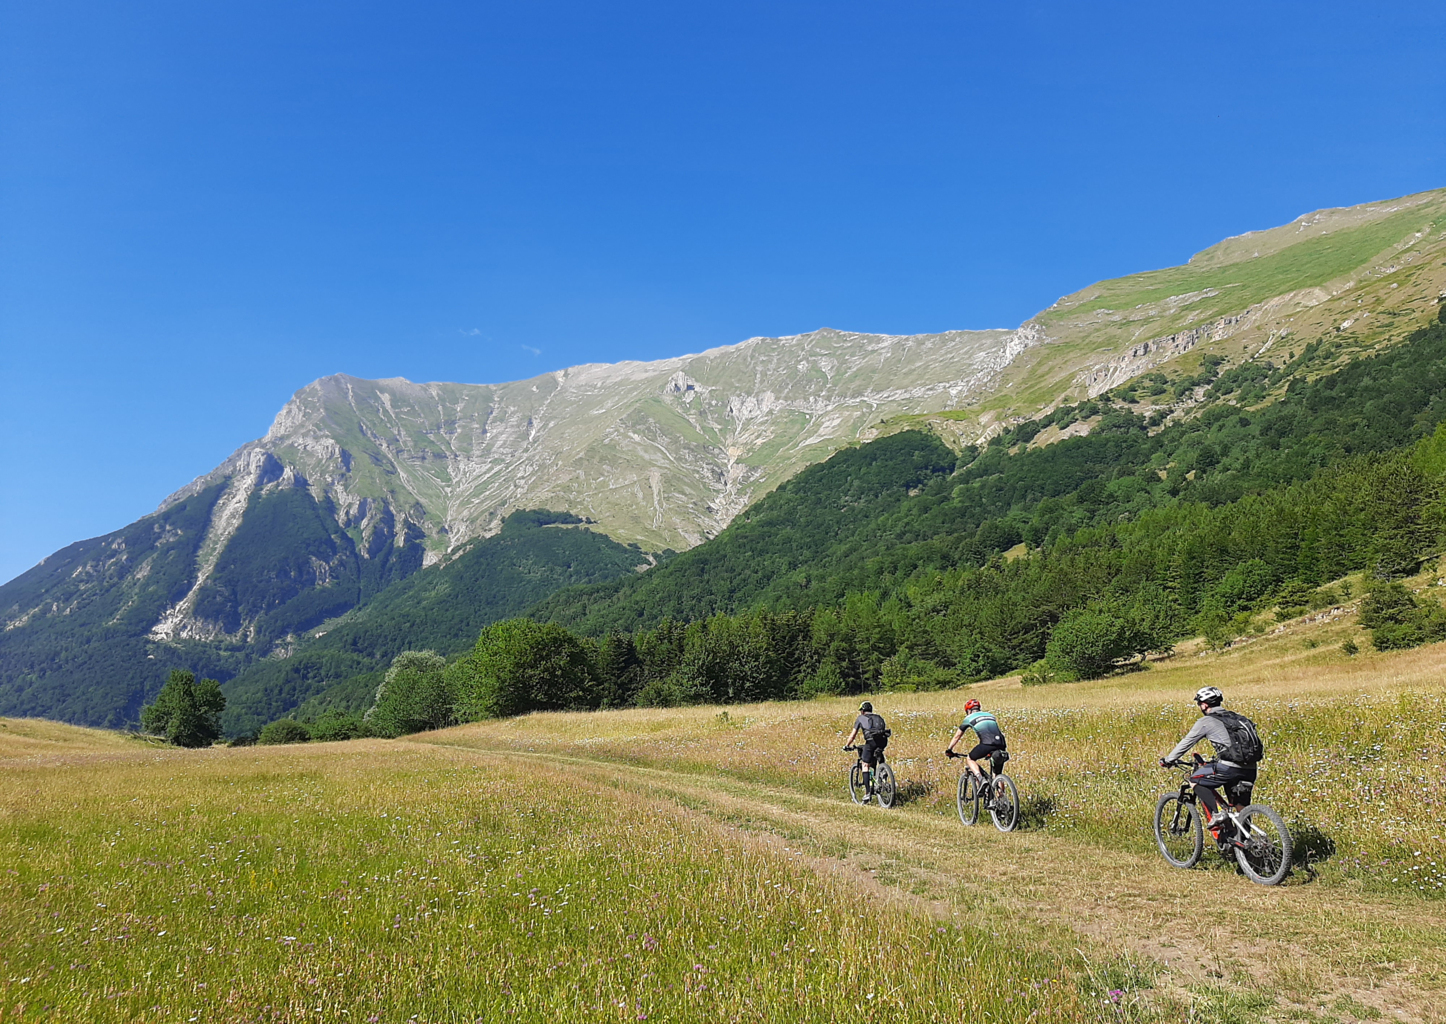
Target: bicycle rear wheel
884,785
1265,852
1178,832
968,798
857,789
1005,811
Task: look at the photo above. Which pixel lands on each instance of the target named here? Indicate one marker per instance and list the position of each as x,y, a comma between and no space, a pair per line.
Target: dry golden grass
378,881
704,864
1357,764
36,737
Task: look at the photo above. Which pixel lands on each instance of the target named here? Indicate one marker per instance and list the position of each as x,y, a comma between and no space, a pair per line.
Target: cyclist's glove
1167,763
951,754
847,749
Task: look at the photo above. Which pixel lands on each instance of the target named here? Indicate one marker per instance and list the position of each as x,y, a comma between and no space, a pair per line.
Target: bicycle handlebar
1194,762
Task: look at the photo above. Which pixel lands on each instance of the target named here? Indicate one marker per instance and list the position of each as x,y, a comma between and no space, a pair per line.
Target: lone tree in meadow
185,712
415,696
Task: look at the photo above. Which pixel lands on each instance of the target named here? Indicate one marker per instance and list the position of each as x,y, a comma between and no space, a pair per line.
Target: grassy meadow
703,864
1355,747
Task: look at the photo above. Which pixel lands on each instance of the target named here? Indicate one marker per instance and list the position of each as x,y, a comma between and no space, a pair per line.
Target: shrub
678,690
1038,674
828,681
335,724
283,730
1397,620
1087,642
906,672
415,696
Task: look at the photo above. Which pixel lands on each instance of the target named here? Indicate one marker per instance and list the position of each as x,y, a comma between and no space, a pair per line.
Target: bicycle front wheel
884,785
1265,848
968,799
1178,832
1005,811
857,789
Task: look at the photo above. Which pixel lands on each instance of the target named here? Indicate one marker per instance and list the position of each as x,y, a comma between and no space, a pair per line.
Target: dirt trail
1303,944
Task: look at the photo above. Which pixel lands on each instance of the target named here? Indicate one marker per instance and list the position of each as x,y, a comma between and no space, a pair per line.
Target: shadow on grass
1310,846
1034,811
913,789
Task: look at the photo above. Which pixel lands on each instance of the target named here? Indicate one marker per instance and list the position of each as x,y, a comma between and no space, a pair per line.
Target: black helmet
866,707
1210,695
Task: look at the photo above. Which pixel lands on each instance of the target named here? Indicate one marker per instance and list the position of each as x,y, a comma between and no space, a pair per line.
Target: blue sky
205,205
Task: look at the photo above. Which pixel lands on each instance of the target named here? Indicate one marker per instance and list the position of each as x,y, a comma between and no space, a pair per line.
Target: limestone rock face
663,454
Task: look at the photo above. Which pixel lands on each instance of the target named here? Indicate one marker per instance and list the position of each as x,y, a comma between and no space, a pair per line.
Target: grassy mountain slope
1353,272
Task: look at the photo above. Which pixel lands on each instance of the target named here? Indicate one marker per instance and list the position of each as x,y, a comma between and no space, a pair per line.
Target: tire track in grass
1202,929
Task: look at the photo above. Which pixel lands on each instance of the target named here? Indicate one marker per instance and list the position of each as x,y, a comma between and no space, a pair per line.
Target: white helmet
1209,695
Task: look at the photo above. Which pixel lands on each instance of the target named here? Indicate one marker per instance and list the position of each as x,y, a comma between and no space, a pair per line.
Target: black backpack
875,733
1245,746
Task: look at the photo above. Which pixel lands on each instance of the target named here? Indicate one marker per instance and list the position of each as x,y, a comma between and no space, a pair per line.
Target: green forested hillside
439,608
797,525
75,638
813,542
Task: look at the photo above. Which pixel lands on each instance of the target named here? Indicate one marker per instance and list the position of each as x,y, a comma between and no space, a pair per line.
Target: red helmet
971,705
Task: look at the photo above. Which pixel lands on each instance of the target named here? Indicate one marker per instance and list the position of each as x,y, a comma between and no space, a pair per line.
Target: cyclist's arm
852,736
958,735
1194,736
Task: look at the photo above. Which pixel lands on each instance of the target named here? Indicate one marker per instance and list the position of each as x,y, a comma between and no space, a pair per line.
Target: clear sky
206,204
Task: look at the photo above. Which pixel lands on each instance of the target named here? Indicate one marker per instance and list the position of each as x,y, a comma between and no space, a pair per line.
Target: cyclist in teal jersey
986,729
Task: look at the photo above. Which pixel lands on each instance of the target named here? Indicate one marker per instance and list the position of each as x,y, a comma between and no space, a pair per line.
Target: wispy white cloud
474,332
534,351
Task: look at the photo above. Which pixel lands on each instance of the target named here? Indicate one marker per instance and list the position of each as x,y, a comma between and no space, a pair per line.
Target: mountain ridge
358,484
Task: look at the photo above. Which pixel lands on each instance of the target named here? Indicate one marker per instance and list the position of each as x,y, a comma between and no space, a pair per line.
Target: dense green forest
439,608
881,517
883,569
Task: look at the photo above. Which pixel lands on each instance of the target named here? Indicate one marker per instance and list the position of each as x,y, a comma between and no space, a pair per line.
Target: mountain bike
1261,844
880,782
998,794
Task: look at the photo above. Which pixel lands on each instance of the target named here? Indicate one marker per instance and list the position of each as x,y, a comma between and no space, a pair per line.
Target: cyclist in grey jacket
1237,779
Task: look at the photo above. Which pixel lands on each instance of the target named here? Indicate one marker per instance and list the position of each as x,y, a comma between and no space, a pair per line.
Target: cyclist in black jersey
876,738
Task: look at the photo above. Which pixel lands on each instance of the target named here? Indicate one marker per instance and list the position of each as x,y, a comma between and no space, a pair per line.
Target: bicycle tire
857,789
1264,859
1181,842
968,798
885,786
1005,810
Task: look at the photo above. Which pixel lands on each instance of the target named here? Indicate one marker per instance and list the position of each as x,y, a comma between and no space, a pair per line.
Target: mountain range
360,487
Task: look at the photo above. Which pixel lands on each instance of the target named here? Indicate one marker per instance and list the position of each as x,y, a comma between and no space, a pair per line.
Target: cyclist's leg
980,755
868,757
1207,779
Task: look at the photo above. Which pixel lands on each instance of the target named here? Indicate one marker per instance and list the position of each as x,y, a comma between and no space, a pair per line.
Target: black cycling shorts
869,753
984,750
1237,782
